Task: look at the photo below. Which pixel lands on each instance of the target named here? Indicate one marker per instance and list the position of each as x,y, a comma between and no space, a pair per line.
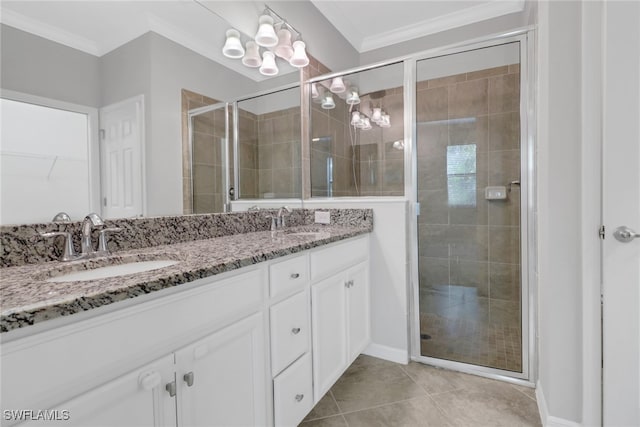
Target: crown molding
461,18
49,32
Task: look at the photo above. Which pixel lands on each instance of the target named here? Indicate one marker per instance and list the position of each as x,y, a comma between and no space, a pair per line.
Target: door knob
625,234
188,378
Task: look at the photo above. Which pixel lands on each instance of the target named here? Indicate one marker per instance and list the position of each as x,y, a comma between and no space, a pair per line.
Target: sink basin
112,271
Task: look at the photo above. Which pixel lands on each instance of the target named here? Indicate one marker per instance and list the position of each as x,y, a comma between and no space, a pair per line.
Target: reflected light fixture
268,67
337,85
251,57
232,46
314,91
376,116
353,98
278,44
327,102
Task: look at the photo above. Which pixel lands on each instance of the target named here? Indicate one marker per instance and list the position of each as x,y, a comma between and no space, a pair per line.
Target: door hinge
102,134
104,201
417,208
601,232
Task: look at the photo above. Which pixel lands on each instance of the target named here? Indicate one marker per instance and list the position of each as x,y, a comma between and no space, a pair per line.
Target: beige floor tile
528,391
493,404
335,421
436,380
370,382
326,407
415,412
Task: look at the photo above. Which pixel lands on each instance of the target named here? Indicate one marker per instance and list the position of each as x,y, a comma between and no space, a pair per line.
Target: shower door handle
625,234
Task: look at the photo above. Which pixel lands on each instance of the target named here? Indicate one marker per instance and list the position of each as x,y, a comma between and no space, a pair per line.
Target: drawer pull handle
295,331
171,388
295,275
299,397
188,378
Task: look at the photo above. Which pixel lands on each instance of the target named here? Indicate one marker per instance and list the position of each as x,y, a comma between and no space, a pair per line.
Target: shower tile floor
458,325
374,392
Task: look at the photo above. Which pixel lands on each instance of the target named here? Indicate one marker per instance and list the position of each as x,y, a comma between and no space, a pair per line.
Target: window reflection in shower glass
461,175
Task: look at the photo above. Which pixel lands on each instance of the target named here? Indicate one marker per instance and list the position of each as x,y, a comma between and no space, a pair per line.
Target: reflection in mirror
357,134
269,142
45,162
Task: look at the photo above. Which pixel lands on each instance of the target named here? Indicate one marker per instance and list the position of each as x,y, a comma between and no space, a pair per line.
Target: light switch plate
322,217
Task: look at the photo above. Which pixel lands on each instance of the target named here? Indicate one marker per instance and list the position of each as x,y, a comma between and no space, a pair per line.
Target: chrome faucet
90,221
280,217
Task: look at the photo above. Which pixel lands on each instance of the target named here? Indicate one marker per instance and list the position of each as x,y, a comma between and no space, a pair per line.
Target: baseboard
548,420
387,353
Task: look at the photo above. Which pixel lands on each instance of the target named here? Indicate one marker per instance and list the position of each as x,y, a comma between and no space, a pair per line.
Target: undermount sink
112,271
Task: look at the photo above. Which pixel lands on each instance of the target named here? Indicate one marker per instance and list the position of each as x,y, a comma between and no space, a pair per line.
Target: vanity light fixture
252,56
232,46
276,35
353,98
268,67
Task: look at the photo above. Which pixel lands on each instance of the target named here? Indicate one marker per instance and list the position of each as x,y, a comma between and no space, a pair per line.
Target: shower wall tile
471,274
504,281
474,130
488,72
248,155
433,138
505,244
468,99
504,167
204,149
265,157
469,242
504,131
433,272
432,104
433,241
432,172
504,93
506,212
471,215
282,154
434,207
444,81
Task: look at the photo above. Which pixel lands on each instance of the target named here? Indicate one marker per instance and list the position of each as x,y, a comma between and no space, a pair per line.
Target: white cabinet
293,393
138,397
221,379
339,311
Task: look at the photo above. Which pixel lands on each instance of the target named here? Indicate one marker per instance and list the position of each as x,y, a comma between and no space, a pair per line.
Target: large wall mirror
132,62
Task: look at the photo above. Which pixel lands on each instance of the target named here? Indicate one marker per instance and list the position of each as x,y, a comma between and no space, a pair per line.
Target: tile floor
374,392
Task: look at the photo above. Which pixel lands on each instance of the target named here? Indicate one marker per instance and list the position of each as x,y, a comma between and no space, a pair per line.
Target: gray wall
559,212
34,65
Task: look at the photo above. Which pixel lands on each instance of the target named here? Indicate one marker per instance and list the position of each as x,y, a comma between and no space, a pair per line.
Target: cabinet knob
295,331
188,378
299,397
171,388
150,380
295,275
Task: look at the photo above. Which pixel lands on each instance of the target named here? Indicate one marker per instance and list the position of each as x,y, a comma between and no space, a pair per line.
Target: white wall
560,147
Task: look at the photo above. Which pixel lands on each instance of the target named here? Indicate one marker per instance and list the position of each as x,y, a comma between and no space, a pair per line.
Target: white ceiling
98,27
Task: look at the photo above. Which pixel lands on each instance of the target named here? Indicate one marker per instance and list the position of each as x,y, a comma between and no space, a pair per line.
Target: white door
329,323
121,157
222,378
621,199
358,303
138,398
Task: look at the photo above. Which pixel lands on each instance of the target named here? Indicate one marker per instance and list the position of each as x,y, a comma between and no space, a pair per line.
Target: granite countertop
27,298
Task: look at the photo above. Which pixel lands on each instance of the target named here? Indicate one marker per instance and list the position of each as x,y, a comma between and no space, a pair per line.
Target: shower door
468,149
209,143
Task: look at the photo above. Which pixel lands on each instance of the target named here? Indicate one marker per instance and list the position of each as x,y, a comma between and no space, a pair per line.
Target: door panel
358,300
621,201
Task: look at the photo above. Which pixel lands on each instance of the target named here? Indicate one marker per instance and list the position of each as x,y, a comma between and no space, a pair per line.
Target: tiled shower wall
467,244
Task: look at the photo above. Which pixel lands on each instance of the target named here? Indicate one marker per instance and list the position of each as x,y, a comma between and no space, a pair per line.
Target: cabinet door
222,378
358,310
138,398
329,323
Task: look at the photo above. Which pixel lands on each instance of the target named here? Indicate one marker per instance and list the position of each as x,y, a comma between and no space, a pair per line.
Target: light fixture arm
279,20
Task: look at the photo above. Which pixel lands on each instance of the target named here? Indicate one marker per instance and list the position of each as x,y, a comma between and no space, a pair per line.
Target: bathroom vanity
245,329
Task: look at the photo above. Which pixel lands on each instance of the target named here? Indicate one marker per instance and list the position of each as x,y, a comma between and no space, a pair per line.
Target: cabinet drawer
289,330
326,262
289,275
292,393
